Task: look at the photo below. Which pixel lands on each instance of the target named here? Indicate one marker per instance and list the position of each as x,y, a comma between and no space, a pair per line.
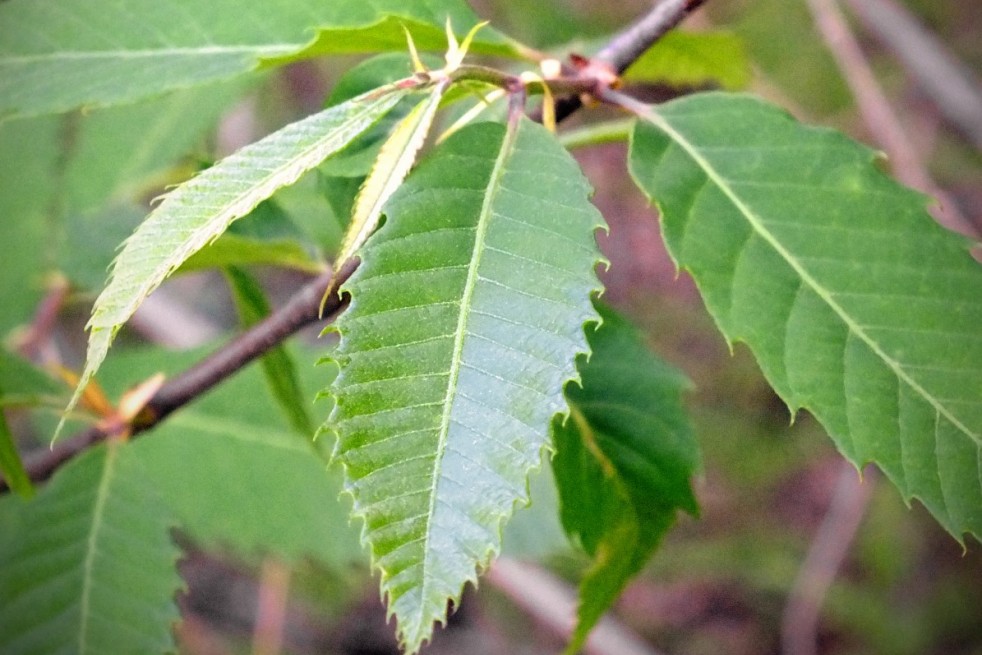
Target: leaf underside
199,211
466,316
623,462
857,305
91,567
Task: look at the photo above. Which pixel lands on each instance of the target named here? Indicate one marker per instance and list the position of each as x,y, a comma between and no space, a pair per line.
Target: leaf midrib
757,224
484,218
98,510
238,206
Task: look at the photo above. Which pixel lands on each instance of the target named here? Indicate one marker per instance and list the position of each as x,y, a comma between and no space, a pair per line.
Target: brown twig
301,310
879,117
629,44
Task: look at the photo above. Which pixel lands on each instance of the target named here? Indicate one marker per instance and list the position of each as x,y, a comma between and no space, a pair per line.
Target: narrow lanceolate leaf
11,468
91,567
857,305
394,160
466,315
623,461
278,366
56,56
199,211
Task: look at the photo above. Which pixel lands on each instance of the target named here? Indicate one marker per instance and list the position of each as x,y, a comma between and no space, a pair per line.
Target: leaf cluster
475,347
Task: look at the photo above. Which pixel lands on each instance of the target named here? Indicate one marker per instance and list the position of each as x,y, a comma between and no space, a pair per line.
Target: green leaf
29,170
394,160
90,567
124,153
24,385
623,461
232,472
10,465
197,212
856,304
236,250
465,318
278,367
357,158
694,59
59,56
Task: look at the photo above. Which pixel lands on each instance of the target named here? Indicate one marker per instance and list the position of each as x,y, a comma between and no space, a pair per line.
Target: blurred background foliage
718,584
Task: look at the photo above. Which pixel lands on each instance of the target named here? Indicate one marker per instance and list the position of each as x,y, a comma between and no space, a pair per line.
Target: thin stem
626,46
301,310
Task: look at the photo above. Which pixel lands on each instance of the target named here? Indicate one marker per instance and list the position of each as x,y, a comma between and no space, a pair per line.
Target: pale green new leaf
90,567
623,462
857,305
56,56
466,315
199,211
394,160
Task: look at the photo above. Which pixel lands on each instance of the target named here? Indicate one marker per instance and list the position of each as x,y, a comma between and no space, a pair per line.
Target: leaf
231,471
197,212
466,314
357,159
90,567
10,465
58,56
694,59
390,169
23,385
237,250
858,307
29,170
278,367
623,461
124,153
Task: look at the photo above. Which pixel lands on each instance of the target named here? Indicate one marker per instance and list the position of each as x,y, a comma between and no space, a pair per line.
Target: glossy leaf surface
858,307
466,316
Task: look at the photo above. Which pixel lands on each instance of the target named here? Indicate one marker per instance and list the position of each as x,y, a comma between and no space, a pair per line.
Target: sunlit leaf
466,315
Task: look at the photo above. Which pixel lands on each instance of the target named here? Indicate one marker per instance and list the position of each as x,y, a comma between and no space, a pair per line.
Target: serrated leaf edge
652,116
